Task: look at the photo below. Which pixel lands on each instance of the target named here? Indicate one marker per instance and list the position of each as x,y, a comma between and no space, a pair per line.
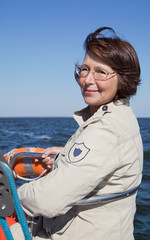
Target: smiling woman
98,85
103,157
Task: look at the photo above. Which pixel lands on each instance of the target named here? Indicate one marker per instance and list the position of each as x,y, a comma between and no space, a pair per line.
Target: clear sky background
41,40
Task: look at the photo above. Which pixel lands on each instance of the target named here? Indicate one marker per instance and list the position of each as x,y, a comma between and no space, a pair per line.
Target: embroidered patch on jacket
78,152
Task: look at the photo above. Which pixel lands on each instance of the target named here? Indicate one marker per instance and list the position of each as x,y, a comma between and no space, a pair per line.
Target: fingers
49,155
51,151
48,162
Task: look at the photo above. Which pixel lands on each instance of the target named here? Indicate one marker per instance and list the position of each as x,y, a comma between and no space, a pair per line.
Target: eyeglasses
98,74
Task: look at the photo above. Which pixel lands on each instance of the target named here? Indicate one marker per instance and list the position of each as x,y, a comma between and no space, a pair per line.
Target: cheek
112,91
81,84
116,86
109,88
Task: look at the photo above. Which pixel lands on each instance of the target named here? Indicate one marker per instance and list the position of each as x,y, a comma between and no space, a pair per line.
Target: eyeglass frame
93,73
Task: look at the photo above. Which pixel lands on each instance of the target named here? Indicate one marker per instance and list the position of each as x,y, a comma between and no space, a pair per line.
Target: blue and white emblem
77,152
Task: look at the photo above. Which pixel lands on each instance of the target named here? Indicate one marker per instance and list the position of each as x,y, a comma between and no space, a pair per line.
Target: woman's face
97,93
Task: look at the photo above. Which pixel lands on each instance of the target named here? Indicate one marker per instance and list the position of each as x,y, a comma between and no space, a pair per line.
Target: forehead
91,60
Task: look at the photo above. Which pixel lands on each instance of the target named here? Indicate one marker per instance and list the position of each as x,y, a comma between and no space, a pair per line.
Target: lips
90,91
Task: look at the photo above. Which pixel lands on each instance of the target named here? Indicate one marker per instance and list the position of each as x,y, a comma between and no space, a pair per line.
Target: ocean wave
25,134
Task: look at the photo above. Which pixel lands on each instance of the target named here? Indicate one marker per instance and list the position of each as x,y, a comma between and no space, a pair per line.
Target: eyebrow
85,65
101,68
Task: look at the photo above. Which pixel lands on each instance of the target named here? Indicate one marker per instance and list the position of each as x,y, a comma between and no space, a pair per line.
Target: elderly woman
103,157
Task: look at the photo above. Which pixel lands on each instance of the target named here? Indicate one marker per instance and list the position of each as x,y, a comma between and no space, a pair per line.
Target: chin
90,102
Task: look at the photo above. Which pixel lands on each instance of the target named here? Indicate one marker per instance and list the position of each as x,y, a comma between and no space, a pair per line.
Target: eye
99,71
83,69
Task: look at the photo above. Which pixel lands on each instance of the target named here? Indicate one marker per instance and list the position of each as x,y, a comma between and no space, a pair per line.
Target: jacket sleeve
84,163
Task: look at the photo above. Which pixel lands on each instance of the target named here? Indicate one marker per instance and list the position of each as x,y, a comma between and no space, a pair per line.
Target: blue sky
41,40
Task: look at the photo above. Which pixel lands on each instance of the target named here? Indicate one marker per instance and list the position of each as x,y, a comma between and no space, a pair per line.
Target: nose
90,78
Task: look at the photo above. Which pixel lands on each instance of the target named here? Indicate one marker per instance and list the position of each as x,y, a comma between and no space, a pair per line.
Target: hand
49,155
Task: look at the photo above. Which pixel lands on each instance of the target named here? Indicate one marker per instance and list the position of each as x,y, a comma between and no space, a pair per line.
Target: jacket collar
84,115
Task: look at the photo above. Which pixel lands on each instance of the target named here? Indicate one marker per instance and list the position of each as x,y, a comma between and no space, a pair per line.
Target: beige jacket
104,156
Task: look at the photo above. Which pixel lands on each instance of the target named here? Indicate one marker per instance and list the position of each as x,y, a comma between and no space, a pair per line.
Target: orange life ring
25,166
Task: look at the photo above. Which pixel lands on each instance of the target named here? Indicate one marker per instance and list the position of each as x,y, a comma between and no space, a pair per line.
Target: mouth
90,91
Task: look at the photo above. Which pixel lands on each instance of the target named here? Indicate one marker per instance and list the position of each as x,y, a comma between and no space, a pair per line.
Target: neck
93,109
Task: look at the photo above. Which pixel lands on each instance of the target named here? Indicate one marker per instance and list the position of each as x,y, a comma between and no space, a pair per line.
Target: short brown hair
119,55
